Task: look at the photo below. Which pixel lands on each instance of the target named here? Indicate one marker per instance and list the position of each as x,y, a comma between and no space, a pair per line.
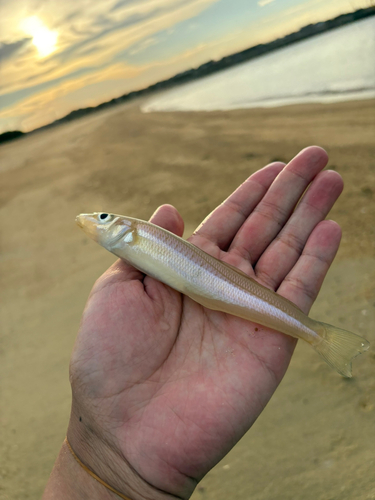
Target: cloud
67,19
136,17
72,50
123,3
7,50
49,104
294,13
143,45
89,41
262,3
100,47
102,21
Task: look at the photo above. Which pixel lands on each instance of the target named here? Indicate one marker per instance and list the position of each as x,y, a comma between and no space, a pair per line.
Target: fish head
106,229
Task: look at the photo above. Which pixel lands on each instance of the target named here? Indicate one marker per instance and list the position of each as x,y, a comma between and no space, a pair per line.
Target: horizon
50,67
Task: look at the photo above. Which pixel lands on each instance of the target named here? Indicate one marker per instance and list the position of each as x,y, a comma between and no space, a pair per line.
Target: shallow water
334,66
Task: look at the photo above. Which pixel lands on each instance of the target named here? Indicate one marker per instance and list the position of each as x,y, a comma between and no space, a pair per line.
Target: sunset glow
43,38
56,56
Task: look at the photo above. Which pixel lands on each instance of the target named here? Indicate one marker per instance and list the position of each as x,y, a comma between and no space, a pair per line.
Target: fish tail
339,347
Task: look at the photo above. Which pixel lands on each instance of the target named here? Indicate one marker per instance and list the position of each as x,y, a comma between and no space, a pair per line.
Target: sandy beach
315,440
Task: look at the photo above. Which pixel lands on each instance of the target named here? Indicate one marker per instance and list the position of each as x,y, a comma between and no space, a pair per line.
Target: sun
43,38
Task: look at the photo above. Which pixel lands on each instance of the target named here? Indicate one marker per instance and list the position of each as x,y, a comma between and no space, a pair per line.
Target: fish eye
103,217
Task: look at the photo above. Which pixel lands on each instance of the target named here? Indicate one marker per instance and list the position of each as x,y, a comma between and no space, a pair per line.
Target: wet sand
315,440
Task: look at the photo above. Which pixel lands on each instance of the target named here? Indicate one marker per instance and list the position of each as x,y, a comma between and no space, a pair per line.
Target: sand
316,438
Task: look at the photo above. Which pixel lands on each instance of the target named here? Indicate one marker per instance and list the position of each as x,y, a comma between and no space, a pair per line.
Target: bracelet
92,474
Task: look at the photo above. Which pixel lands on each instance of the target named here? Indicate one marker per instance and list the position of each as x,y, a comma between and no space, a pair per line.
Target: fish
217,285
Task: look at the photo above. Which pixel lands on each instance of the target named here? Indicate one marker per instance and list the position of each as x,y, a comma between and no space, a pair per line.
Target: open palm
163,387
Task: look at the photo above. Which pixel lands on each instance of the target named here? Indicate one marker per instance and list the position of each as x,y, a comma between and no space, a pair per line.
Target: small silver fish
217,285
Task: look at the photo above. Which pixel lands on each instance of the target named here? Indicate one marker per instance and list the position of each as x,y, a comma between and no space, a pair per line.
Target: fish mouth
88,223
79,221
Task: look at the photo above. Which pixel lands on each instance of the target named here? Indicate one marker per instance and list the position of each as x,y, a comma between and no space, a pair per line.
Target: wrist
108,463
69,480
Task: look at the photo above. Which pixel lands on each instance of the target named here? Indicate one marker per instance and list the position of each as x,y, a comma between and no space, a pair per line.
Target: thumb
168,218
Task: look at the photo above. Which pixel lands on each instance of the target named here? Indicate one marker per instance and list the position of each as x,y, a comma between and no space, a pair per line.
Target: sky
57,56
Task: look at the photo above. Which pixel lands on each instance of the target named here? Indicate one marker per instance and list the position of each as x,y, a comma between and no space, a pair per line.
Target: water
334,66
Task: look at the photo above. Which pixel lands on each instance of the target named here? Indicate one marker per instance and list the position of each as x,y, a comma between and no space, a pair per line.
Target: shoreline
141,103
327,98
211,67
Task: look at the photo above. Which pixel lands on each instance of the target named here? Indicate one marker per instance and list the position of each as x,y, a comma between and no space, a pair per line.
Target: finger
275,208
221,226
303,283
281,255
168,218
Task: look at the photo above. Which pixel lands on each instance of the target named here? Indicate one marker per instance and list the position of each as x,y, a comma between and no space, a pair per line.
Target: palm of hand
172,386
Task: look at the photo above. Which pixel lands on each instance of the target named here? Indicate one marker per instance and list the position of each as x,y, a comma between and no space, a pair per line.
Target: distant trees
10,136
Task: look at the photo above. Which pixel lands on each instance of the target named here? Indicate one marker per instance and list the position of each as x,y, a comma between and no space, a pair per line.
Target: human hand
162,387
